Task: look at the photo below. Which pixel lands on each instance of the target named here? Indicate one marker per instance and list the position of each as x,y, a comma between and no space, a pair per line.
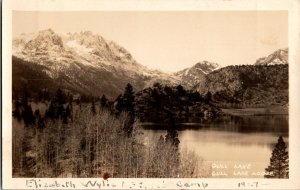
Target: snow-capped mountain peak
203,67
193,75
278,57
206,67
78,47
67,54
46,40
83,47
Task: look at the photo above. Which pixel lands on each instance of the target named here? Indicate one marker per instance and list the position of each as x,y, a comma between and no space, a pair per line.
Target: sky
173,40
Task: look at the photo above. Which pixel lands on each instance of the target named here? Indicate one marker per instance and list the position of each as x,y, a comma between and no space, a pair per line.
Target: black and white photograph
157,94
138,94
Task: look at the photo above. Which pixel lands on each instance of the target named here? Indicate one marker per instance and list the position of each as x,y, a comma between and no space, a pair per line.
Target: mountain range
82,62
87,63
264,83
278,57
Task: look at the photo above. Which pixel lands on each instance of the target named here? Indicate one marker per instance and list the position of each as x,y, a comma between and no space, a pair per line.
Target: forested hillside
78,79
164,103
31,76
247,85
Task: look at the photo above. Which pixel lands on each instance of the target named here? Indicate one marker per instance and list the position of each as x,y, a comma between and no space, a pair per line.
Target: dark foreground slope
78,78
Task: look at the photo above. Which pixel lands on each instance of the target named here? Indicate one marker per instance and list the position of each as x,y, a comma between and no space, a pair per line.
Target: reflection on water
231,140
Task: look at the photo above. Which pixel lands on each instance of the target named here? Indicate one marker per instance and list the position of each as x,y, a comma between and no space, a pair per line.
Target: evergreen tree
24,99
208,97
56,108
28,116
50,112
157,85
60,111
66,115
172,134
65,119
46,95
40,96
103,101
128,103
16,112
37,114
41,123
59,97
77,101
60,101
168,90
128,98
93,108
180,90
279,162
68,111
118,105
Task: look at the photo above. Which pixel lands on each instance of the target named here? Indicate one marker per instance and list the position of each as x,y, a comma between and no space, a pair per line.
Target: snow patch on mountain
277,57
202,71
74,55
189,77
77,47
66,54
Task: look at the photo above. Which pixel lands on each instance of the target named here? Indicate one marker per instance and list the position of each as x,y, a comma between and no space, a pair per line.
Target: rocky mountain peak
88,39
206,66
193,75
45,40
277,57
61,52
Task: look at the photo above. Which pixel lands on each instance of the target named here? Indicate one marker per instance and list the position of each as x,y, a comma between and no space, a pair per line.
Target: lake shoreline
228,141
278,110
239,123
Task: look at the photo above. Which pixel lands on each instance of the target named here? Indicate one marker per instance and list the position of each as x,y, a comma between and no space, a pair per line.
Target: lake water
231,146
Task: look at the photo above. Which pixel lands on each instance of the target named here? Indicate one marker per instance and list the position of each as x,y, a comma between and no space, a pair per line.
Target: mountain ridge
73,55
279,56
248,85
189,77
87,63
66,54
